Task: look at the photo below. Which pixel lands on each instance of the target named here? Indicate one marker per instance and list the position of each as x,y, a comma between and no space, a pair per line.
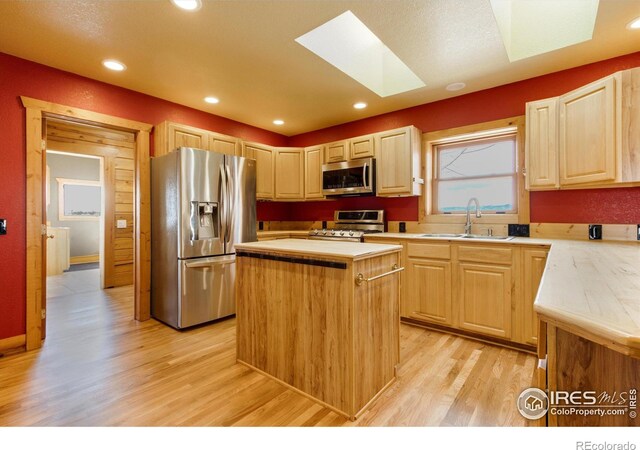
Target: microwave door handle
229,203
364,176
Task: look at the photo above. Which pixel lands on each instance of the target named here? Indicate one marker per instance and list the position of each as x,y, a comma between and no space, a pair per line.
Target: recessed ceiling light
278,122
360,105
535,27
455,86
112,64
212,100
634,24
188,5
347,44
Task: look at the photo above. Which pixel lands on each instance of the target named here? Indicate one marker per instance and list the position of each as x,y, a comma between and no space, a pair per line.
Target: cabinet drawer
437,251
478,253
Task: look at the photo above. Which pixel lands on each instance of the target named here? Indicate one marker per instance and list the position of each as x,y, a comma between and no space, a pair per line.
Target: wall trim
37,111
13,344
85,259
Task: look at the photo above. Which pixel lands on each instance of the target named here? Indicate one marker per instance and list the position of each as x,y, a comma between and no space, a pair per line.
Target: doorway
128,265
74,211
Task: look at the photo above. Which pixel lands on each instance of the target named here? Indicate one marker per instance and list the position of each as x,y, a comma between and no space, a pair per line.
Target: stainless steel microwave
349,178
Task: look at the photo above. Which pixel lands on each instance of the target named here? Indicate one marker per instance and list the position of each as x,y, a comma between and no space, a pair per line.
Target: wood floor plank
100,367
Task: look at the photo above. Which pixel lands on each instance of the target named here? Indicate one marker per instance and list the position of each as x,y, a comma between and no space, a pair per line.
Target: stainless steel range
352,226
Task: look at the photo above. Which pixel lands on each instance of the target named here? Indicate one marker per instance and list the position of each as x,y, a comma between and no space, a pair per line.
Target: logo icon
533,403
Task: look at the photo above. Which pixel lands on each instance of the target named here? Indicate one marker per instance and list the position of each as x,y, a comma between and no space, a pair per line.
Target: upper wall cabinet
289,176
225,144
265,168
398,162
588,137
542,144
336,152
313,172
362,147
168,136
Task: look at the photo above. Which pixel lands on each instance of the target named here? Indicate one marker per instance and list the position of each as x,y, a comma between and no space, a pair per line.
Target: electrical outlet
324,224
122,223
402,227
3,226
595,232
261,225
638,231
518,230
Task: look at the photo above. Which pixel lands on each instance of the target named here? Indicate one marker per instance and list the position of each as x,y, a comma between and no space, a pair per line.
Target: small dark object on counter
518,230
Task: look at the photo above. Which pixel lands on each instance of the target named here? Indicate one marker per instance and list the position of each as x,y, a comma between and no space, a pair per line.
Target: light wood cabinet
485,299
586,138
313,172
533,264
587,145
224,144
542,144
398,162
168,136
429,289
265,168
289,173
336,152
362,147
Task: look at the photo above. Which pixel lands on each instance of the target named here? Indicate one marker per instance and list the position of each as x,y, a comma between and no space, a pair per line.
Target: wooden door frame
36,112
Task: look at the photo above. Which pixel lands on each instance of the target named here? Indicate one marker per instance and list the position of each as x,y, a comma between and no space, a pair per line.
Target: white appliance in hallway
203,203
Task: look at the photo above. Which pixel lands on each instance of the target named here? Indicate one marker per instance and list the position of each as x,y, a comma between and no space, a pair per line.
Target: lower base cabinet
484,301
476,288
429,282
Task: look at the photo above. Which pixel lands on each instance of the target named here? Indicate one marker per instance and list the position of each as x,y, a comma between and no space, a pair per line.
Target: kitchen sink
484,236
442,235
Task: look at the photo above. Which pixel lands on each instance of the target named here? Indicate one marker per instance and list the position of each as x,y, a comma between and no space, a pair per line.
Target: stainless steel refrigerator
202,204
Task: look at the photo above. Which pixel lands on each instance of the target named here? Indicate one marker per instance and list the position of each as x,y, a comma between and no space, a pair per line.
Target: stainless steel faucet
467,226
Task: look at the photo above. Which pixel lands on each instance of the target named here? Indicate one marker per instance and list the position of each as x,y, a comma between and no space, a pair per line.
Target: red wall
580,206
20,77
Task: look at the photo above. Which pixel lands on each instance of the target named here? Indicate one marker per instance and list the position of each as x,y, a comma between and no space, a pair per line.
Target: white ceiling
243,51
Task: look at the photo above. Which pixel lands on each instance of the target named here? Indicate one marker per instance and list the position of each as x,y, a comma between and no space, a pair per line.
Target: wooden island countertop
319,248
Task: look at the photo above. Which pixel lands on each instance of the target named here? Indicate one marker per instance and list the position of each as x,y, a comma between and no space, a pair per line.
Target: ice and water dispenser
204,220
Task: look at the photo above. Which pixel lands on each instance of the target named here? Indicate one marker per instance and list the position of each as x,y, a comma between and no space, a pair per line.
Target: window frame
430,140
62,182
510,132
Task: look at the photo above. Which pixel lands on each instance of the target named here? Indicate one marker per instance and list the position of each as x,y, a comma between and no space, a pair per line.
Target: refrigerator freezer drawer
207,289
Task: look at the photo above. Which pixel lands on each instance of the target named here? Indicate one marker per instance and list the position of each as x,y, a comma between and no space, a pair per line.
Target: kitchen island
321,317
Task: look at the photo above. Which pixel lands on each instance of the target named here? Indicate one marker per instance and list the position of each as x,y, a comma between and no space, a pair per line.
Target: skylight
347,44
533,27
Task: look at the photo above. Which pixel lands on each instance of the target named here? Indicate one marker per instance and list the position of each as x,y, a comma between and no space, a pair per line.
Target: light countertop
590,288
313,248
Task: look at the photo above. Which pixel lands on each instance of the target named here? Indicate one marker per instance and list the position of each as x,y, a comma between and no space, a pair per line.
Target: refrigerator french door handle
196,265
229,203
224,196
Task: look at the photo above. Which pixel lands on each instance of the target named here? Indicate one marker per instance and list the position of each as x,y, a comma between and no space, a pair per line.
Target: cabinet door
289,175
394,163
265,168
587,134
224,144
534,262
542,142
313,172
361,147
335,152
485,299
184,136
429,290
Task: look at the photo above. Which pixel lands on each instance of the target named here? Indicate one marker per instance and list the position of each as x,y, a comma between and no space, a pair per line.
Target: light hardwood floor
100,367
